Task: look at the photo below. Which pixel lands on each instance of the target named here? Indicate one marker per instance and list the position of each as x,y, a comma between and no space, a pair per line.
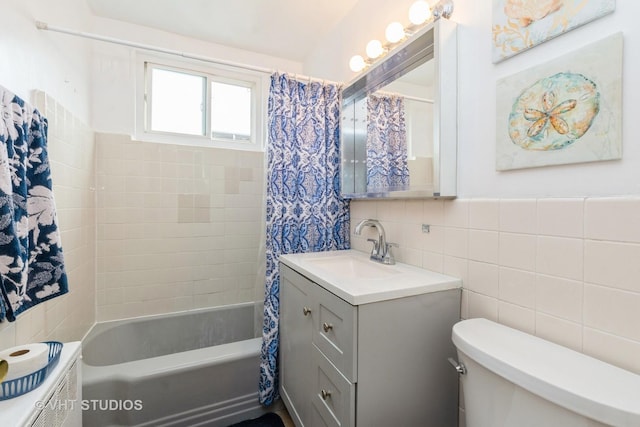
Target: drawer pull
325,394
327,327
306,311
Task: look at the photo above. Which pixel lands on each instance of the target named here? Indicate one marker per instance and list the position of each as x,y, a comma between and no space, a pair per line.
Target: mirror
399,128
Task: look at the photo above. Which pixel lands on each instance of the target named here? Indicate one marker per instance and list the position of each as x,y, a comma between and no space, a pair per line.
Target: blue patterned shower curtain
305,212
387,157
31,262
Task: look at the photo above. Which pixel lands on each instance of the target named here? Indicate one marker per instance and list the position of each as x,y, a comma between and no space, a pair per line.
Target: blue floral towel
31,262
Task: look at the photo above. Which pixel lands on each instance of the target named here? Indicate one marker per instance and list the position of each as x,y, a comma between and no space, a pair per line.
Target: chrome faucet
381,251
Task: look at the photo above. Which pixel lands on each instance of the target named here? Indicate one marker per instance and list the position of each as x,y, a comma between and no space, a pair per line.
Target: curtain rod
45,26
415,98
407,97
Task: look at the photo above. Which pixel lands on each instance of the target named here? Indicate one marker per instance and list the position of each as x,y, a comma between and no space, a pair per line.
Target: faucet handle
388,255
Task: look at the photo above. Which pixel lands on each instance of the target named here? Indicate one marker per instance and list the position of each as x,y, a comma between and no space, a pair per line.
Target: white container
515,379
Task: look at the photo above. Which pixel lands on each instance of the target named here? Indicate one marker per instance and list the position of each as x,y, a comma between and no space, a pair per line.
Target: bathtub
193,368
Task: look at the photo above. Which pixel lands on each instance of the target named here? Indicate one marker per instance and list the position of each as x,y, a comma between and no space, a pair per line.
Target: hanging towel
31,261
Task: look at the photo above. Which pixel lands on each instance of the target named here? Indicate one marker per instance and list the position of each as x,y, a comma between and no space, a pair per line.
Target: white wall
38,60
367,20
477,76
52,73
114,68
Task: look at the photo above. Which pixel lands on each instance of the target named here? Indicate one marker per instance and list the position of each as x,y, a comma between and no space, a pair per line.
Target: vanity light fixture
374,49
394,32
420,14
357,63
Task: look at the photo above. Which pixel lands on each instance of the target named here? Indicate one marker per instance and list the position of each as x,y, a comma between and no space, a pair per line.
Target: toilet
513,379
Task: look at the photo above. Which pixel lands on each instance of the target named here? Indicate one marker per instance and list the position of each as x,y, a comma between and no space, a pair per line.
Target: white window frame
257,81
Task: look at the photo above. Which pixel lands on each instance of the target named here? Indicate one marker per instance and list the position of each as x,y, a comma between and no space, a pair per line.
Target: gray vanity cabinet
296,317
375,364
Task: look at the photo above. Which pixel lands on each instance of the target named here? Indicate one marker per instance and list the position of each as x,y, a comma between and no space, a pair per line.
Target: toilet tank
515,379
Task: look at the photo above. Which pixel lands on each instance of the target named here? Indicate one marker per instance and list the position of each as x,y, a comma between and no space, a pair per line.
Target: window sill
196,141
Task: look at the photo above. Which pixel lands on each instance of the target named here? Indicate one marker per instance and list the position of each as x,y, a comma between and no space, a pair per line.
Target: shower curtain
305,212
31,261
387,163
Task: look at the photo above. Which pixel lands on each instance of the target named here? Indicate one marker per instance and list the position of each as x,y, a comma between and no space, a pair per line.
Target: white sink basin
352,276
353,267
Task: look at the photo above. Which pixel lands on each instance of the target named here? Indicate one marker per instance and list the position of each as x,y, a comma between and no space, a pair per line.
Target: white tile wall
517,287
559,297
612,263
564,269
484,245
563,332
518,251
72,155
561,217
484,214
179,227
483,278
614,218
560,256
518,216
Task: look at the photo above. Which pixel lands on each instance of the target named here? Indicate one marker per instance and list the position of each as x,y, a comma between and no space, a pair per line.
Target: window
214,107
230,112
177,102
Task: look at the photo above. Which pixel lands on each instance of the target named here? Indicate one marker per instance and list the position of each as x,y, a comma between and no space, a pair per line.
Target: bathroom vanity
366,344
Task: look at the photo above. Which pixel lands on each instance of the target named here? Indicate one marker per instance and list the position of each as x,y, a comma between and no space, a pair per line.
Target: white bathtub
194,368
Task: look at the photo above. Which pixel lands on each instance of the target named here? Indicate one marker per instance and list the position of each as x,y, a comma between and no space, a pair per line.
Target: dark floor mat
267,420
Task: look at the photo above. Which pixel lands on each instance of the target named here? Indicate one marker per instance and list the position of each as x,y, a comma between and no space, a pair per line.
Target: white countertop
352,276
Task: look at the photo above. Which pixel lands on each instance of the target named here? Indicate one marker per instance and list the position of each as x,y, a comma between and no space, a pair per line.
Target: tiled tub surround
563,269
179,227
72,155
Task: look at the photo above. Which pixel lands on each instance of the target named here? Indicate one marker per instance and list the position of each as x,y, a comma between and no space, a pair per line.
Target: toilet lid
573,380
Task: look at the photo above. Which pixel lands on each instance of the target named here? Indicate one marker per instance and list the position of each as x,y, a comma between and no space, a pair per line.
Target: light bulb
374,49
356,63
419,12
394,32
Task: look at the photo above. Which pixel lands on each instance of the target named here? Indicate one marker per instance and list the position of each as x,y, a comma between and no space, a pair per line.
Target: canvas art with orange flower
565,111
521,24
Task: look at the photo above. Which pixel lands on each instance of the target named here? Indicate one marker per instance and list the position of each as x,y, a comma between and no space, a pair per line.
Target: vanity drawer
333,396
334,331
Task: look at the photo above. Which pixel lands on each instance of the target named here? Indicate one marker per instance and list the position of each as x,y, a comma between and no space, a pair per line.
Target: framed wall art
568,110
521,24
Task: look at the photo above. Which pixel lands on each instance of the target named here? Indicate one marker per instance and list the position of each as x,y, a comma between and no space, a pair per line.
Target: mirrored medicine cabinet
398,121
